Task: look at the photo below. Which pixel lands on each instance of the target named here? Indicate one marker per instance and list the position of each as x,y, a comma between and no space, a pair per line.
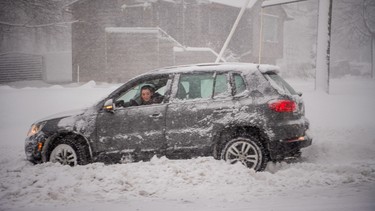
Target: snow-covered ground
337,172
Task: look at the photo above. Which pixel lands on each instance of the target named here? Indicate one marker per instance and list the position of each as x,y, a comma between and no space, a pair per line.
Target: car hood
64,114
79,121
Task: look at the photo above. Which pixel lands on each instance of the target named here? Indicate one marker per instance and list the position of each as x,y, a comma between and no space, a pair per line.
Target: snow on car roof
243,67
143,30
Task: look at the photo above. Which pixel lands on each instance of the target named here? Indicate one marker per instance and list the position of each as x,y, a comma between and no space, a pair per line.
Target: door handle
223,110
156,115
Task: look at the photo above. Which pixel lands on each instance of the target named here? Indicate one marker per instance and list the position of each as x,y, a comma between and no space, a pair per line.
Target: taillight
283,106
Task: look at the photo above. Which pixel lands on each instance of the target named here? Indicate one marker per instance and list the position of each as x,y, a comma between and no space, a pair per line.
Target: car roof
208,67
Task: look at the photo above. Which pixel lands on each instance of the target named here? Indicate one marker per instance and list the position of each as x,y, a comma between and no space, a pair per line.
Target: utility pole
323,41
323,46
183,22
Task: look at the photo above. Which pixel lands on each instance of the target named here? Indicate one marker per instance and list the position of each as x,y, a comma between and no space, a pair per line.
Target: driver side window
155,87
130,94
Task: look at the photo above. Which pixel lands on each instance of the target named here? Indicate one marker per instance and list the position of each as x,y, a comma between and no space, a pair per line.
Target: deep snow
336,173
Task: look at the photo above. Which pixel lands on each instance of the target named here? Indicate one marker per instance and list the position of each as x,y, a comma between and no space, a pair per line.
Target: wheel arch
234,131
51,141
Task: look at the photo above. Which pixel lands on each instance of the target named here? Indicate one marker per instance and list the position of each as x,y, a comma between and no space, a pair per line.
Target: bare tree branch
352,20
366,19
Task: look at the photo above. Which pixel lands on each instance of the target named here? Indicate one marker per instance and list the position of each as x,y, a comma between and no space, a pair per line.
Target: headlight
35,128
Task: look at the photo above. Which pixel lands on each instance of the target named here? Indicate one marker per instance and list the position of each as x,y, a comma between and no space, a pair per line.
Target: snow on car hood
63,114
83,122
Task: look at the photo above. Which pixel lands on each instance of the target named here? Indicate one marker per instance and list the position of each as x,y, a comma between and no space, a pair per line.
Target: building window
270,28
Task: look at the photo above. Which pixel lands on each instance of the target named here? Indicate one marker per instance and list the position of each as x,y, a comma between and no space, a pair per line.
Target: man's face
146,95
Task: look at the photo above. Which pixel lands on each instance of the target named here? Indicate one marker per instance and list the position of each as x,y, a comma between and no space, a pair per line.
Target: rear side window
193,86
221,86
239,84
280,84
202,86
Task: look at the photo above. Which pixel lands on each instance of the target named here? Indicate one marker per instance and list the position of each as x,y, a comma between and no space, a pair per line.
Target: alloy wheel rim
243,152
64,154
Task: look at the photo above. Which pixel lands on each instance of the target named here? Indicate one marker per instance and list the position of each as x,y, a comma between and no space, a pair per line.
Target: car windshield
280,84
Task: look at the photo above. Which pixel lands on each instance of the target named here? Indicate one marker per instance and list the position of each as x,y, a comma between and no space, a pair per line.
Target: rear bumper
288,147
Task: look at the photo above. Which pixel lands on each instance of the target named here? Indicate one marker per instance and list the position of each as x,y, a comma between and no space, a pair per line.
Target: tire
248,151
66,152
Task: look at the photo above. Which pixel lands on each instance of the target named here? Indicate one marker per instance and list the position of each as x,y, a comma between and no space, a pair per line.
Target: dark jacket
155,99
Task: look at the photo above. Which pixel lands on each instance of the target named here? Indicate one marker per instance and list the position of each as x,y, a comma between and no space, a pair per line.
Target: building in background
35,41
300,35
114,40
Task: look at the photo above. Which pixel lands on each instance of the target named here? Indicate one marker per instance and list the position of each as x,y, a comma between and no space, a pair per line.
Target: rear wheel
247,151
67,152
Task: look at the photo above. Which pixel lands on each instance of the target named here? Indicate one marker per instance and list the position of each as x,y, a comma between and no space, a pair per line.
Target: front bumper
33,147
288,147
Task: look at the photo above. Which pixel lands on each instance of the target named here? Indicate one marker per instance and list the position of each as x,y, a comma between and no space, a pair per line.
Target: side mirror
109,105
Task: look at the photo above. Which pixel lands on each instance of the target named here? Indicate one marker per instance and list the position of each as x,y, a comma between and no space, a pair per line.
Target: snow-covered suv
237,112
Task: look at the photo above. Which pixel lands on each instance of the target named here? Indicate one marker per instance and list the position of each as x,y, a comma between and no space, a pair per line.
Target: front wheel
66,152
248,152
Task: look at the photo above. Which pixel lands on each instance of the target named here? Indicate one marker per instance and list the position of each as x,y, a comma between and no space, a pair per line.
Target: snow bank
201,179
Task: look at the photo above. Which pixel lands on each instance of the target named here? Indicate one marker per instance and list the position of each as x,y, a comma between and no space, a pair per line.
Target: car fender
224,132
50,140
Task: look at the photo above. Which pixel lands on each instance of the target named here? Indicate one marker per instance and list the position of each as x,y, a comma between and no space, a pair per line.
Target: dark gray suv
237,112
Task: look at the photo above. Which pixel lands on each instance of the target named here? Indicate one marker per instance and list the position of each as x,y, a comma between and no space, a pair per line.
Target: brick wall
132,51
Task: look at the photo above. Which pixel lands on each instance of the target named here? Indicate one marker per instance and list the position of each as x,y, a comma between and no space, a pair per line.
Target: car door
133,132
201,101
